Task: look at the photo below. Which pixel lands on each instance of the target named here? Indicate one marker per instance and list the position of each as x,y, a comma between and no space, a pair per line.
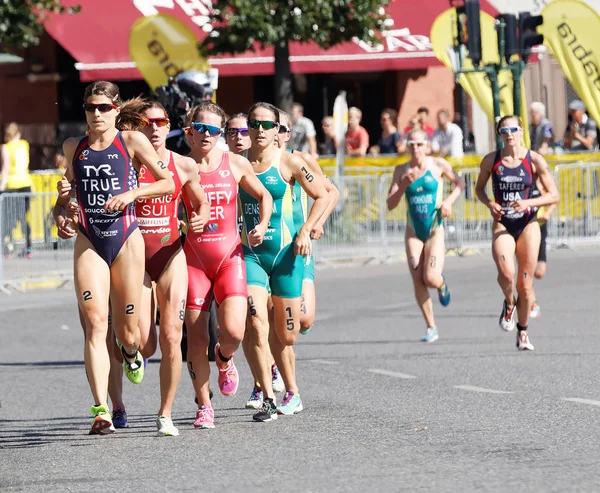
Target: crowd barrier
361,227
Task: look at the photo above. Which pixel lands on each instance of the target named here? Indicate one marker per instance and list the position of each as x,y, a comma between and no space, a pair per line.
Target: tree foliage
21,21
238,24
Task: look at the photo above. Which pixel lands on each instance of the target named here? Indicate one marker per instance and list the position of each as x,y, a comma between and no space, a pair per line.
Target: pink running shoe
205,418
228,375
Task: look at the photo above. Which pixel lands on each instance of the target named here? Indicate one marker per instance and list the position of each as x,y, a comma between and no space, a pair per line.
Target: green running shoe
102,423
134,370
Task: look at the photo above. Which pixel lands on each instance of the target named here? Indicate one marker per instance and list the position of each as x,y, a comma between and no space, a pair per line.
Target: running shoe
444,293
523,343
267,412
102,423
205,418
278,385
536,312
228,375
256,398
292,404
431,335
507,318
119,417
134,370
165,427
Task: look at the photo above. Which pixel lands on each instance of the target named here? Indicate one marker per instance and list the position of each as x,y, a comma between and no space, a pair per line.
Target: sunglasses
159,122
283,129
233,132
205,127
507,130
102,108
265,124
417,143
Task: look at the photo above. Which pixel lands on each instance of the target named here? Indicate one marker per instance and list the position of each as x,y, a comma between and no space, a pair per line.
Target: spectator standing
304,135
390,138
581,132
15,178
423,116
331,144
540,129
448,138
357,138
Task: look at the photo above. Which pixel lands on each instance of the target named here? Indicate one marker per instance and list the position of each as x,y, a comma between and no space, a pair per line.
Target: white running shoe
278,385
507,320
523,343
536,312
165,427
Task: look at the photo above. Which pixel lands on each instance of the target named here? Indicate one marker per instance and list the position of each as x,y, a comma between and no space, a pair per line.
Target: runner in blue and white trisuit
109,254
421,181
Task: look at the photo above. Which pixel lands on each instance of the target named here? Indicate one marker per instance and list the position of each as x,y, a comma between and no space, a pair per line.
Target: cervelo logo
224,173
159,231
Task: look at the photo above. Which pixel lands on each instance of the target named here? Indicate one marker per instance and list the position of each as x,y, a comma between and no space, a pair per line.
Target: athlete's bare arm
141,151
59,212
332,191
399,184
244,175
542,173
295,167
190,179
459,186
549,209
485,171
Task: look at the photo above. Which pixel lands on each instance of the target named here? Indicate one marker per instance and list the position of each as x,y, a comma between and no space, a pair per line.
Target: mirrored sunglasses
205,127
507,130
265,124
233,132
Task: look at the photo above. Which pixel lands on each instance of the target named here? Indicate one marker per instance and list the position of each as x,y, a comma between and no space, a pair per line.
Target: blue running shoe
431,335
119,417
444,293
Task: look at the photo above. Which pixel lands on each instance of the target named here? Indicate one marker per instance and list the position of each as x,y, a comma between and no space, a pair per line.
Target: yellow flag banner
477,85
571,29
162,46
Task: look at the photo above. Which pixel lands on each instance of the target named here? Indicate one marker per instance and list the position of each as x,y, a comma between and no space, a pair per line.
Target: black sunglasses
102,108
283,129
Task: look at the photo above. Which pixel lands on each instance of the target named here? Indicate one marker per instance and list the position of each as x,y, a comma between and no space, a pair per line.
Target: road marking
472,388
391,373
394,306
581,401
324,361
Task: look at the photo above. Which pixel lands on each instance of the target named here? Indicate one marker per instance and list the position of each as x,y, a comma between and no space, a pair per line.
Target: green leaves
21,22
237,24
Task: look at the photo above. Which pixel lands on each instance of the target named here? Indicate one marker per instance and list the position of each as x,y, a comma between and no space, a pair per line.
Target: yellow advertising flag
571,29
477,85
162,47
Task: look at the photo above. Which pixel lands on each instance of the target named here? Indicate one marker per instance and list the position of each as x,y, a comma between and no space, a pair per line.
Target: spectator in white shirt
447,138
304,135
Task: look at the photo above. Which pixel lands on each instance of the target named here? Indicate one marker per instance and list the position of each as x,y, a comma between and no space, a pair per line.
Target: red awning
98,38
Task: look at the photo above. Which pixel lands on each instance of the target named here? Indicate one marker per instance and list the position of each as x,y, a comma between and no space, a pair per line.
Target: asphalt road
383,412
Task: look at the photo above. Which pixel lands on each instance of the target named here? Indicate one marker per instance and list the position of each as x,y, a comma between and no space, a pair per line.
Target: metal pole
516,69
493,75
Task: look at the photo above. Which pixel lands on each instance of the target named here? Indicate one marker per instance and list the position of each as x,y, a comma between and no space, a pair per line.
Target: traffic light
472,10
528,35
511,41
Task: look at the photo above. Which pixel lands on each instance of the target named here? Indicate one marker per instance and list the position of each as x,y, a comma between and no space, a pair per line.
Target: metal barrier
29,215
361,227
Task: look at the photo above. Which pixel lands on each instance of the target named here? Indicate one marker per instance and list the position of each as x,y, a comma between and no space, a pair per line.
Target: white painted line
472,388
581,401
391,373
324,361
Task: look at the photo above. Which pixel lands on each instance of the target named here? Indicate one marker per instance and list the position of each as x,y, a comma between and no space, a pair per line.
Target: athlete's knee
525,285
259,330
306,322
505,275
288,338
432,279
96,326
540,270
170,339
148,348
